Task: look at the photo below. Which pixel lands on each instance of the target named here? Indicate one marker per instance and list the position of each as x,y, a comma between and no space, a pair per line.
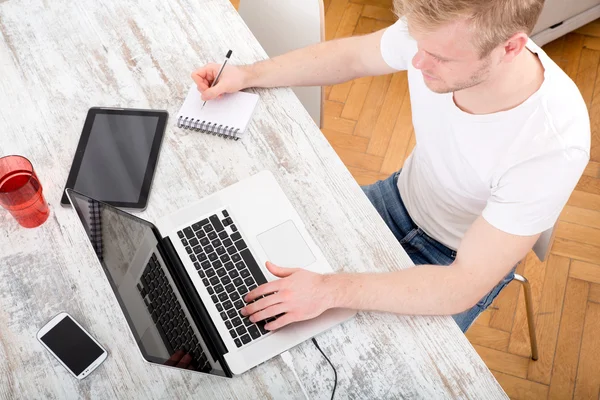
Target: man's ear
514,46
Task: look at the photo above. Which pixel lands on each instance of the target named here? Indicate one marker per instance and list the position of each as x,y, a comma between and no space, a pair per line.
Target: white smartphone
74,348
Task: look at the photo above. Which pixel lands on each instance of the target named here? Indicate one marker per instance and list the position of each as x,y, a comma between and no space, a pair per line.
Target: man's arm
325,63
485,256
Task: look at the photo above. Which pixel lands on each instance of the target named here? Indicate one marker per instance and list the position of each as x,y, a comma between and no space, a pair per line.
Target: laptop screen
160,321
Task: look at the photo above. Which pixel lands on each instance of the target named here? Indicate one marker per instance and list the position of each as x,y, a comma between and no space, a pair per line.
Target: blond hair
492,21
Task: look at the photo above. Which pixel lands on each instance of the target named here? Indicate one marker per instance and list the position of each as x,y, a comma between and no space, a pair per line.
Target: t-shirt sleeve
397,46
530,196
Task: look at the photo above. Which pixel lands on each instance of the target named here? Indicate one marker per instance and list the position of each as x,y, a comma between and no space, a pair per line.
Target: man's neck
508,89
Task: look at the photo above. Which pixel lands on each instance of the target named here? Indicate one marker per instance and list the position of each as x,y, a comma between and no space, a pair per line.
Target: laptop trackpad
285,246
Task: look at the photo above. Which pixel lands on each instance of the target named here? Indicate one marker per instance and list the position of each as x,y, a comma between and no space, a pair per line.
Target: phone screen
72,345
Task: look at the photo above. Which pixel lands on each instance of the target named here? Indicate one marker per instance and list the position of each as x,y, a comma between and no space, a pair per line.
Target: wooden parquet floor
368,123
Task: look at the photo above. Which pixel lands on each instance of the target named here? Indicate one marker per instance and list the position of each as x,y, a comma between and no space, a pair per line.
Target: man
502,136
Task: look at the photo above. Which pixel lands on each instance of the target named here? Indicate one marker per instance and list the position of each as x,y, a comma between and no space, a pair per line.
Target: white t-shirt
517,168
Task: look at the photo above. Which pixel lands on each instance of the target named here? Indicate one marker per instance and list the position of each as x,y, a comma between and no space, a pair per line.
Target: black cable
334,371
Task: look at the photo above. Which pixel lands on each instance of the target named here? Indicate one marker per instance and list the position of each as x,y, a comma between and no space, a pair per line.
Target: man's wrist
337,287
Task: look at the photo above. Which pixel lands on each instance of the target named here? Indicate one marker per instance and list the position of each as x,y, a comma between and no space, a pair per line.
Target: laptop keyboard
227,269
171,322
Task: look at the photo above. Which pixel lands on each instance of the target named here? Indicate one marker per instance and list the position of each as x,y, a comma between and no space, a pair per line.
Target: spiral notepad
227,117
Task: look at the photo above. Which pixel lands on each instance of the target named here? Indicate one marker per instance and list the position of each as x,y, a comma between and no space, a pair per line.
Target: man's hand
299,295
233,79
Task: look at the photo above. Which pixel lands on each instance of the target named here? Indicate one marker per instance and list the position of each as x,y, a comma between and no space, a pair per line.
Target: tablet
116,156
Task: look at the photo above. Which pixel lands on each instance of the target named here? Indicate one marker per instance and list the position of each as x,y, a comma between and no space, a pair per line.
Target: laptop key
180,234
227,242
213,256
234,274
225,213
226,280
234,296
193,257
240,265
228,221
205,264
212,235
232,313
247,321
225,257
198,250
218,288
223,296
246,339
215,243
200,234
194,242
236,257
221,272
244,273
228,324
217,264
231,250
241,330
238,343
224,316
240,244
208,249
210,272
253,266
188,249
185,242
216,223
229,288
249,281
219,307
188,233
204,241
234,228
223,235
229,266
237,281
233,333
253,330
214,280
236,236
236,322
201,256
201,273
242,290
214,298
208,228
210,290
220,250
227,305
238,303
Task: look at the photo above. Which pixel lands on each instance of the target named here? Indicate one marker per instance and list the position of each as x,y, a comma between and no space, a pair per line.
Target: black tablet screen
114,164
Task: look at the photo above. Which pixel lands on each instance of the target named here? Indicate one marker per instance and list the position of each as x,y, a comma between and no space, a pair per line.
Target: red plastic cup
21,192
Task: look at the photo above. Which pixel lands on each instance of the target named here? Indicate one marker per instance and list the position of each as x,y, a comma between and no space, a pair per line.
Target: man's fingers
279,271
261,304
267,288
282,321
269,312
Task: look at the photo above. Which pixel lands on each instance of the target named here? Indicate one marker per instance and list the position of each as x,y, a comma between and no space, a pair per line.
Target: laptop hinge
200,315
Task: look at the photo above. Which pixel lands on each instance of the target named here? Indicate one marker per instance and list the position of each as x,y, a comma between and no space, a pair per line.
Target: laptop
181,282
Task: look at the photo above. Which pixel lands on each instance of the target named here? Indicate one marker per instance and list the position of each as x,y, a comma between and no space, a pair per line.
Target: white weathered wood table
57,59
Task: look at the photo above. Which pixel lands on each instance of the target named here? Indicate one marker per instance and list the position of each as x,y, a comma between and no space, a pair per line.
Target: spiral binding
208,127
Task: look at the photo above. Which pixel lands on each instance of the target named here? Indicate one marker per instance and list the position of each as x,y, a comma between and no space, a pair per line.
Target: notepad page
233,109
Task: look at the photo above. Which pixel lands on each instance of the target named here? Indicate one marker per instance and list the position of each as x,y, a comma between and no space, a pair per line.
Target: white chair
284,25
541,248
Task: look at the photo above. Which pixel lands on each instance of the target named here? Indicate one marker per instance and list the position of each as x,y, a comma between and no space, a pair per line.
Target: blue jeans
421,248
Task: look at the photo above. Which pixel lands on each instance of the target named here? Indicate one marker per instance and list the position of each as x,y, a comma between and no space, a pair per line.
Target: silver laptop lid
131,256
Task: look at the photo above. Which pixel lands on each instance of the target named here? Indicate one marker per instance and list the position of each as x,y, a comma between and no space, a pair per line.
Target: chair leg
530,317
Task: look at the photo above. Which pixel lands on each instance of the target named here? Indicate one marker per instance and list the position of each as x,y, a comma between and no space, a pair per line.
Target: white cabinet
562,16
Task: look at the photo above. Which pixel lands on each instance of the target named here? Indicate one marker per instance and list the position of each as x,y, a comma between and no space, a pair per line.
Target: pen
219,74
